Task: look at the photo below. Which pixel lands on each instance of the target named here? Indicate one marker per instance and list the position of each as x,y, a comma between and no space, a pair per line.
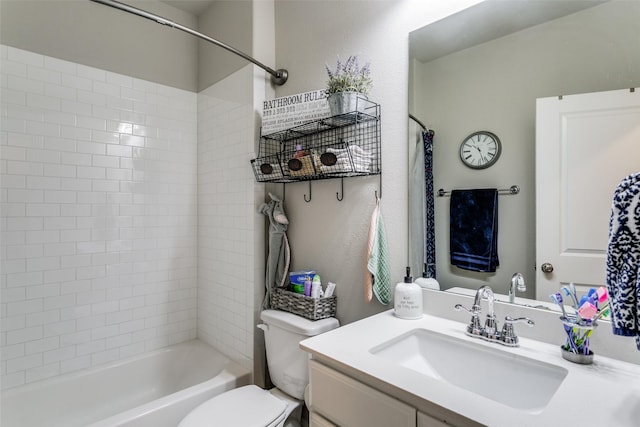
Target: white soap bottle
427,282
408,298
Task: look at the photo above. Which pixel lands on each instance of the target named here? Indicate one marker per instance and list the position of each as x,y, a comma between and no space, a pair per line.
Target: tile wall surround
226,213
99,217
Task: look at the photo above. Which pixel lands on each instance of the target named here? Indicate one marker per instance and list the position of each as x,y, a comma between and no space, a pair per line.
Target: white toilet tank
288,364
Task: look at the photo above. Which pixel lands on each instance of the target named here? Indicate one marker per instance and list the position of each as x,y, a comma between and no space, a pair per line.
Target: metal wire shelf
345,145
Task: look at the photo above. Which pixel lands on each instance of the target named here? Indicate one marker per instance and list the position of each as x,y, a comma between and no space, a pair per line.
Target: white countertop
605,393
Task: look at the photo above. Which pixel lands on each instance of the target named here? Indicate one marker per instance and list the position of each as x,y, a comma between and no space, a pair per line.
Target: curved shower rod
278,77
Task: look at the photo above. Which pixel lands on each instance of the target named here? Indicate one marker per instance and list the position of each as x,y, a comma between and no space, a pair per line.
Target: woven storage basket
307,307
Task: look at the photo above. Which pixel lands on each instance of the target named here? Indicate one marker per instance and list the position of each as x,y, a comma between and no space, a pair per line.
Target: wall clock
480,150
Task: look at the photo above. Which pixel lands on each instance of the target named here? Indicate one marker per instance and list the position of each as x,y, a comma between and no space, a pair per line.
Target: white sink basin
513,380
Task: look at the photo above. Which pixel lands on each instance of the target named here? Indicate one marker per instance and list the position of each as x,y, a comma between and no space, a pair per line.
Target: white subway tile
73,132
41,264
79,159
42,318
66,171
119,150
75,82
93,123
24,168
43,183
61,92
91,172
59,354
24,279
24,335
12,323
23,363
60,144
42,345
23,84
59,328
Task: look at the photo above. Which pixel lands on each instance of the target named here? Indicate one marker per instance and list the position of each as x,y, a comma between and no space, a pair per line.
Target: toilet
251,406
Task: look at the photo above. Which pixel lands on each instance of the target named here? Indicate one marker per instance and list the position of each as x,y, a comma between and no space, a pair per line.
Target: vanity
386,371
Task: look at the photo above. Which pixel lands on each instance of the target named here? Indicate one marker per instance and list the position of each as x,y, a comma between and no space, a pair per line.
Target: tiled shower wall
226,215
99,216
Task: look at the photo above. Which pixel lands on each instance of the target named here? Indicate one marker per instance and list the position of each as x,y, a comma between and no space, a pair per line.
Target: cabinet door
425,420
349,403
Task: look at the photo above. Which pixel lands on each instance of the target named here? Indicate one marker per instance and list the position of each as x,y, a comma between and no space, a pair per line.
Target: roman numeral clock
480,150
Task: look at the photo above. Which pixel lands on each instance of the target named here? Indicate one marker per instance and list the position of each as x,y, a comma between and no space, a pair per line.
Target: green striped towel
379,275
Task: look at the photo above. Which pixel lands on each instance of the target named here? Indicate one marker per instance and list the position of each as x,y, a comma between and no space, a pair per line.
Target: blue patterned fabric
623,258
430,241
473,234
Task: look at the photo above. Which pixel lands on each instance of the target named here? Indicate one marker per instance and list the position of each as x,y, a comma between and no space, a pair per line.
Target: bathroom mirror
482,70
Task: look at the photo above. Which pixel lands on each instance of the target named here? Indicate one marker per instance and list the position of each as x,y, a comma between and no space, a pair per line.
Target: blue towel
623,258
473,233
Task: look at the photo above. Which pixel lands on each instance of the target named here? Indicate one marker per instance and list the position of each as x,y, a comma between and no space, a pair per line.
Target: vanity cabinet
341,400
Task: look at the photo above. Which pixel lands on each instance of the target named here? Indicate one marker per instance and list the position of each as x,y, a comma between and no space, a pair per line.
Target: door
585,145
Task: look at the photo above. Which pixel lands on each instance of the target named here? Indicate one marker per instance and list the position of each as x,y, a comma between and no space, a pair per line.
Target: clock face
480,150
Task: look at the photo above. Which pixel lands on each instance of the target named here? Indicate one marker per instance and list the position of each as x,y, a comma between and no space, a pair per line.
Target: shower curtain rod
278,77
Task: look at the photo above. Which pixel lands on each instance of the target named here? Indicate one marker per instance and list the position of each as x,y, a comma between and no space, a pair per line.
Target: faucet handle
474,328
473,310
508,335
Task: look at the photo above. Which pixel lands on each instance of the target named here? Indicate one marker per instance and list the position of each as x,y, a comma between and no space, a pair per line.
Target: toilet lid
248,406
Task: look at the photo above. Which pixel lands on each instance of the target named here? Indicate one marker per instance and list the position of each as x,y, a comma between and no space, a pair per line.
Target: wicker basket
307,307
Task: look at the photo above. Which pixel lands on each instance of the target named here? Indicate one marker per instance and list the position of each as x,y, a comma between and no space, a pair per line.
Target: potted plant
347,84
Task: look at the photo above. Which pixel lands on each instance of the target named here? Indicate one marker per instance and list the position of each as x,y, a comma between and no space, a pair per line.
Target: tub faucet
517,282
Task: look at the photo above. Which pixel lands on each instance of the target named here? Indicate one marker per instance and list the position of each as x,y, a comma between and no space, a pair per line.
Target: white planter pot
346,102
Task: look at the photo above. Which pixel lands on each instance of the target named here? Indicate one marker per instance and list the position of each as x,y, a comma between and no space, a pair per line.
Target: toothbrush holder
576,348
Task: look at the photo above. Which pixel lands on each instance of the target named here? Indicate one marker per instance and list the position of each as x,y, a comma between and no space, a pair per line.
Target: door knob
547,267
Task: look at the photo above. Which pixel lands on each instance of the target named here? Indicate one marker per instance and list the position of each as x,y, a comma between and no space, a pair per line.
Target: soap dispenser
408,298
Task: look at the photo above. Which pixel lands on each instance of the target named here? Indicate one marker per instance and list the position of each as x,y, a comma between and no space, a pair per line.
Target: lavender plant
349,77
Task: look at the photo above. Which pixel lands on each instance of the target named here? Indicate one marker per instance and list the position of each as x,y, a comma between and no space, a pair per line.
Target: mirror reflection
482,70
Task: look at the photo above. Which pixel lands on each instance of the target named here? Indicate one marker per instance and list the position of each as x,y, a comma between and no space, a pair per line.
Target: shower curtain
416,202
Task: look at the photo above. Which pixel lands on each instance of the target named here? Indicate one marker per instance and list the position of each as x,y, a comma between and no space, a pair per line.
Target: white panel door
585,145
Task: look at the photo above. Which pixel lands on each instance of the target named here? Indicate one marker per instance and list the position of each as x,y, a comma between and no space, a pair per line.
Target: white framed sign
293,110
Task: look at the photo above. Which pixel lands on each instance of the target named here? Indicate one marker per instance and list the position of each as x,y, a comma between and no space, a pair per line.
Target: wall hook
284,191
338,196
305,196
380,186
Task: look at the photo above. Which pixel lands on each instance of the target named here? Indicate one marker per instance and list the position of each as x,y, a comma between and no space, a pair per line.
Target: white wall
90,33
98,216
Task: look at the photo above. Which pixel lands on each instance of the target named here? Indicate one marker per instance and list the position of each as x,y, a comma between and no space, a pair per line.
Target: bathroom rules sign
293,110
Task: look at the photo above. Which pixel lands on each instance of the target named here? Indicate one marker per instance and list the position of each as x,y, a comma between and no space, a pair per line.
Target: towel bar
514,189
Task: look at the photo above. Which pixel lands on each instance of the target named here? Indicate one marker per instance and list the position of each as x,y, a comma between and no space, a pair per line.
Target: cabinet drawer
349,403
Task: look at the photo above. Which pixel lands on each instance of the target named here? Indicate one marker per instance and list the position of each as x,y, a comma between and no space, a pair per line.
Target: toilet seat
248,406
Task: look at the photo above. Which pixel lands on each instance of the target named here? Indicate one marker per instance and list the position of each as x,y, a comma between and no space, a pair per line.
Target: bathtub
156,389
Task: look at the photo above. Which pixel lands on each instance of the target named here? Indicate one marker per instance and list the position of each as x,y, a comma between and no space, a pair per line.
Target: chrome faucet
517,282
490,330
